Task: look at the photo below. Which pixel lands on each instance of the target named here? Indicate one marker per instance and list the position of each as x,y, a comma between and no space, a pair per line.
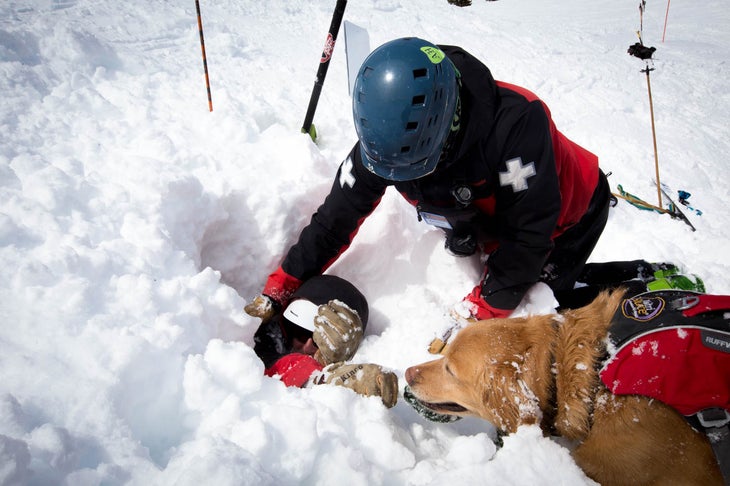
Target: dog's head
498,370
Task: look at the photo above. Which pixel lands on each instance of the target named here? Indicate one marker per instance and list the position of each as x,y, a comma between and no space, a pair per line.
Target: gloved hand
478,308
337,333
366,379
262,307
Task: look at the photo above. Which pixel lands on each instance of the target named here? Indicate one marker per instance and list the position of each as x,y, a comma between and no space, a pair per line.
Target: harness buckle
686,302
713,417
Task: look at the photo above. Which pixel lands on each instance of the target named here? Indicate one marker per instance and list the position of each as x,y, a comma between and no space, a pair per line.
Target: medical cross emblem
346,176
517,174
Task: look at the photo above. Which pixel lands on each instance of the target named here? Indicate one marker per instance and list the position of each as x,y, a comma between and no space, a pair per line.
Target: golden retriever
543,369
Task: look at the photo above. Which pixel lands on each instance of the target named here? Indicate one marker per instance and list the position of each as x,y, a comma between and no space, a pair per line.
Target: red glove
479,308
280,286
294,369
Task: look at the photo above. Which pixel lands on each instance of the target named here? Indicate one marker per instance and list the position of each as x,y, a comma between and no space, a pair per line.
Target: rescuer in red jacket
480,159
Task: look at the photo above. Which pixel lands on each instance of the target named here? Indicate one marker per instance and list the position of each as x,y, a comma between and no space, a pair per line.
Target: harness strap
715,423
697,304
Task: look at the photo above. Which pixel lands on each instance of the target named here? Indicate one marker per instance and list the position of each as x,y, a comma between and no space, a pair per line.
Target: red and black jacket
528,183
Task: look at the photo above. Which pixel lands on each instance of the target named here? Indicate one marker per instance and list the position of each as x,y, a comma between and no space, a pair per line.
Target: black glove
641,51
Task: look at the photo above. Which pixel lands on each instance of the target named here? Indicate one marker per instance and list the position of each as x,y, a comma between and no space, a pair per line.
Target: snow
135,225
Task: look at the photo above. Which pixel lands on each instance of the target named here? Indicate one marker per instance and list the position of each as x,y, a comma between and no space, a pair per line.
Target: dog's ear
517,377
534,375
508,398
580,346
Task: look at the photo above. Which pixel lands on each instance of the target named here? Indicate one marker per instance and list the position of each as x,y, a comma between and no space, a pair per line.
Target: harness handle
702,303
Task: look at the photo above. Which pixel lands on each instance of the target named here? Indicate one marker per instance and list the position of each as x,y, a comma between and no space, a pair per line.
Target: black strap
721,447
715,423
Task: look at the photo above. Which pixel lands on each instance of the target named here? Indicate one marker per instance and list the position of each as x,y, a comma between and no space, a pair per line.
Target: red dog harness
674,346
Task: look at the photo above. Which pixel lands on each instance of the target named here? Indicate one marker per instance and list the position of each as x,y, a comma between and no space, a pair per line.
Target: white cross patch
517,174
346,175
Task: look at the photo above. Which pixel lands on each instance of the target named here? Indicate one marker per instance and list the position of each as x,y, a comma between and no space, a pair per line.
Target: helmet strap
455,126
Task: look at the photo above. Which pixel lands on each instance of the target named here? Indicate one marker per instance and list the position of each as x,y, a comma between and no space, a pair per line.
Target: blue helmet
403,104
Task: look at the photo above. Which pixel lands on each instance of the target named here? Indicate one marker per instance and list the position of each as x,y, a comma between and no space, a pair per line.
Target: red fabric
479,308
707,303
487,205
280,286
294,369
674,365
577,168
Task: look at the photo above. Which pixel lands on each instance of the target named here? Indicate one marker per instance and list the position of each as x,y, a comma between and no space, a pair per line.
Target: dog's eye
448,370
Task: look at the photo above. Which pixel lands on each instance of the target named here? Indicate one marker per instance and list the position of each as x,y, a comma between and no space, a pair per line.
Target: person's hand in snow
338,332
366,379
478,308
262,307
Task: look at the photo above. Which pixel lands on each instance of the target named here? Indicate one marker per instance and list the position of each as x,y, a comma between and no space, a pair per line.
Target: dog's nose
412,375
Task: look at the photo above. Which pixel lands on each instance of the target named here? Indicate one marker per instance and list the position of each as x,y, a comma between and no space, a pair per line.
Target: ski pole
653,134
324,62
666,16
642,7
205,62
644,53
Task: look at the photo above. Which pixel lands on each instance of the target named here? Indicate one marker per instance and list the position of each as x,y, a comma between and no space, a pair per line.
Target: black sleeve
528,206
354,195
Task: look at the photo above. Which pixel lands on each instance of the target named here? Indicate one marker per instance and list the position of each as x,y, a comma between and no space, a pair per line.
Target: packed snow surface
135,225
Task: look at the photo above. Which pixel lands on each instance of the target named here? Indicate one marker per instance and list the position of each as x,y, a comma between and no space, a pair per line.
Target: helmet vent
405,149
411,125
420,73
418,100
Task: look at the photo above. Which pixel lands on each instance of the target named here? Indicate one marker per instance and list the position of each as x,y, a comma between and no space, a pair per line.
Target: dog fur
544,370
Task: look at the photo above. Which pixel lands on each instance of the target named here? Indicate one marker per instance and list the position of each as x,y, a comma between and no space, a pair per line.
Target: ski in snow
673,209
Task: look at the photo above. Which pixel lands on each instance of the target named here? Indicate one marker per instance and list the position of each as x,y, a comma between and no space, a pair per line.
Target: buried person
310,341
